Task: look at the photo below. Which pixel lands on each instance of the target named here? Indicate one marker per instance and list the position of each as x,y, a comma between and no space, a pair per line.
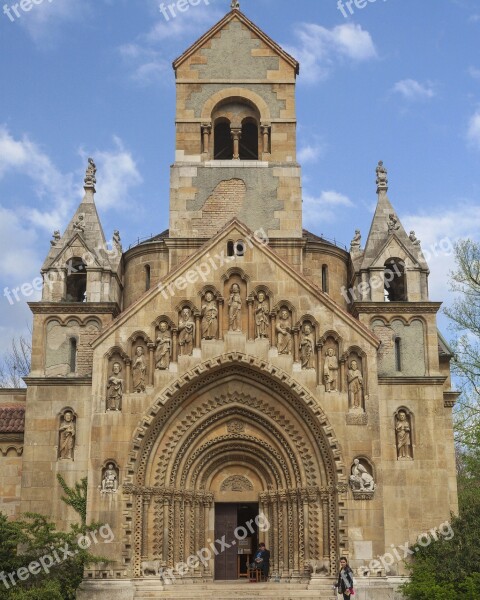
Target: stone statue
115,388
67,437
307,347
90,180
209,318
360,479
355,385
163,349
330,371
235,309
235,4
393,224
284,332
79,224
55,238
413,239
382,175
139,370
404,440
186,332
262,320
355,244
110,480
116,239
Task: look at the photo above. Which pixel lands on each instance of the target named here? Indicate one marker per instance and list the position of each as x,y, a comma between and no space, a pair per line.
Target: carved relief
67,433
209,317
110,479
115,387
330,370
355,386
235,309
403,433
139,370
236,483
284,332
361,480
186,332
163,347
307,346
262,319
235,426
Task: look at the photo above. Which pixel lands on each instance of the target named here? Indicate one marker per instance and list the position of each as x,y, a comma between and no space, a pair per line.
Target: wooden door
226,516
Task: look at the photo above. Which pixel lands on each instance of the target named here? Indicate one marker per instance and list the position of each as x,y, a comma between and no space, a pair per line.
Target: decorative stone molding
353,418
236,483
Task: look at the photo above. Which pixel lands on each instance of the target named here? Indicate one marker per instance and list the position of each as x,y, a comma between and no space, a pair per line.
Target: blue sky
398,80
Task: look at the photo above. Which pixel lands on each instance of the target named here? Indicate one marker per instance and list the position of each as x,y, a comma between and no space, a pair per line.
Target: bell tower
235,134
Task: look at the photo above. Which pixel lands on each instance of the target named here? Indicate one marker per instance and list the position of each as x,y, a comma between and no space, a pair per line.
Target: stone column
151,356
206,131
326,529
174,344
166,505
145,528
296,349
266,127
341,384
128,373
198,330
206,520
220,317
273,333
251,320
236,137
319,363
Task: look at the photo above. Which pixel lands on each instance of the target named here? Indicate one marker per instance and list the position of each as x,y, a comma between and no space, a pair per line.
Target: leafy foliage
76,497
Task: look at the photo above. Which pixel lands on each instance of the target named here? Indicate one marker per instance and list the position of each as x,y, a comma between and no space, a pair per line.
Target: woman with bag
344,584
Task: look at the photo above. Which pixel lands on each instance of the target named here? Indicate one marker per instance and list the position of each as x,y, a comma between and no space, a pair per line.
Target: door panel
225,525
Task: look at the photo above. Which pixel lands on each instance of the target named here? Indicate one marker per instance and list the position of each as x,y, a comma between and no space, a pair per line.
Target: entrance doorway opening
232,521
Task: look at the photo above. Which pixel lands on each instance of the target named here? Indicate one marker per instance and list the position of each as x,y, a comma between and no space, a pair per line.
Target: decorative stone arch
287,304
235,93
320,508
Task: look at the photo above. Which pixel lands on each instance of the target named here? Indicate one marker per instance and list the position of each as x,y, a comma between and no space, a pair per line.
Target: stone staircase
236,590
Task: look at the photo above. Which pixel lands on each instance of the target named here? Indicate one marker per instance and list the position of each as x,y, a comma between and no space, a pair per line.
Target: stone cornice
450,398
75,308
378,308
58,381
402,380
13,391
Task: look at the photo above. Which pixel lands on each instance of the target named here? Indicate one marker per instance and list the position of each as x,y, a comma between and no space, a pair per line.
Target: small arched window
325,279
249,141
230,249
72,359
398,354
76,281
222,141
147,277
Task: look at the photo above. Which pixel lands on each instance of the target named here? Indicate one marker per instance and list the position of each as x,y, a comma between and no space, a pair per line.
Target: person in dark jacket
344,584
261,560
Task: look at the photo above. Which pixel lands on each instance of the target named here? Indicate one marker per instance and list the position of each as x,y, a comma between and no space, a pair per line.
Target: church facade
236,377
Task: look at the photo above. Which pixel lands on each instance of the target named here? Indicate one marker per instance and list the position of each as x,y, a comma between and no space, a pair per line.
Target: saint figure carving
404,439
67,437
360,479
115,388
163,349
209,318
110,480
262,320
284,333
186,332
330,371
139,370
235,309
355,385
307,347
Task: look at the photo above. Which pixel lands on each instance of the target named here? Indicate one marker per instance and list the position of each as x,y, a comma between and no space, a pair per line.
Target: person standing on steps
344,584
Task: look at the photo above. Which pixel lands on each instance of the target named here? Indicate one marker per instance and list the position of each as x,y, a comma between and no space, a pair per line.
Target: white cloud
117,173
311,153
414,90
473,133
474,72
319,48
146,64
438,234
324,208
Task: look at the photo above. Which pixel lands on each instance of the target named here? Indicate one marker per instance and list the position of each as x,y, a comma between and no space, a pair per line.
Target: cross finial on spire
235,5
90,180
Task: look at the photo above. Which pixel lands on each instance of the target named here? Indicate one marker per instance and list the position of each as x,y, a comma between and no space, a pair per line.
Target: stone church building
236,375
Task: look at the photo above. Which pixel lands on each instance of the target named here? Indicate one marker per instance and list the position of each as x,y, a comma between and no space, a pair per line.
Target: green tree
76,497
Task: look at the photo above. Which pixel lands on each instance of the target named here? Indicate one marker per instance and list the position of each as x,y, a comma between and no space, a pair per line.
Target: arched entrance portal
233,434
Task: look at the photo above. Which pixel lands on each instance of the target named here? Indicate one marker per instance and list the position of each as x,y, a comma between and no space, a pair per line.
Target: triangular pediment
215,31
264,266
76,246
393,248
